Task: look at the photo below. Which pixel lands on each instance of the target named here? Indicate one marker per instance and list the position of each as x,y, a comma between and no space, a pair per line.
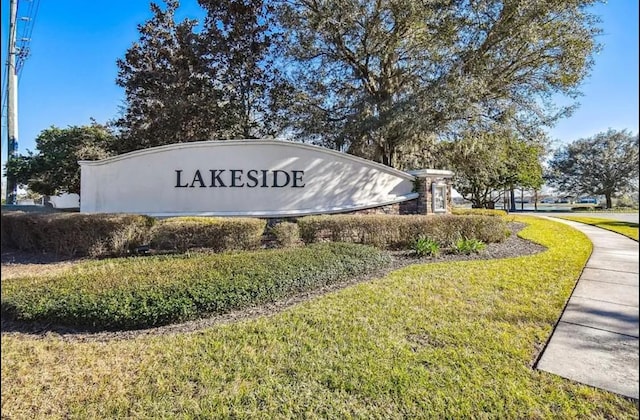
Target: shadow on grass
617,223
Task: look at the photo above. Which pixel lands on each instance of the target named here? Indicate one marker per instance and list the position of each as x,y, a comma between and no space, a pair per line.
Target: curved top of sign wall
248,143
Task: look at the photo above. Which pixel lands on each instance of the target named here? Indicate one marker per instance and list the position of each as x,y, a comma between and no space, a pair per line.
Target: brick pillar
430,180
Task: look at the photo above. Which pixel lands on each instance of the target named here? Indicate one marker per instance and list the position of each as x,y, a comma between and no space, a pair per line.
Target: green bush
149,291
75,234
215,233
424,246
479,212
468,246
286,234
401,232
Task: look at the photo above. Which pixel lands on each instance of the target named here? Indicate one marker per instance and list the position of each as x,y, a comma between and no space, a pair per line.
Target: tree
54,168
237,42
605,164
485,164
373,77
182,85
172,93
523,167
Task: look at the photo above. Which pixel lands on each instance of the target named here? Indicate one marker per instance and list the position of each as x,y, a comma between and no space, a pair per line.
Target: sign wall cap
249,142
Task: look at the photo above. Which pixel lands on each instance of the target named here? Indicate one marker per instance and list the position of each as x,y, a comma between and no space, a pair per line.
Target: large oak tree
377,77
170,93
605,164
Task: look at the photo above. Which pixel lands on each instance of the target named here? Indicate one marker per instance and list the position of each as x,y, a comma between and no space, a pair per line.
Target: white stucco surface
319,180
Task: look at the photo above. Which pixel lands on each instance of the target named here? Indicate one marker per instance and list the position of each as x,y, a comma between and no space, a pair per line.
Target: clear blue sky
70,74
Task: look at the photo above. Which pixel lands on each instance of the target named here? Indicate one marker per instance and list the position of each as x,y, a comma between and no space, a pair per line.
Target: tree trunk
512,198
608,200
505,201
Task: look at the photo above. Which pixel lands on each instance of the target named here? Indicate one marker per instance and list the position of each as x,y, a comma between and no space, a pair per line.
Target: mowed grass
446,340
628,229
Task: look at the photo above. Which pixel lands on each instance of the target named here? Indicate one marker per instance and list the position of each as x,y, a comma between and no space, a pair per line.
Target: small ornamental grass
151,291
468,246
286,234
424,246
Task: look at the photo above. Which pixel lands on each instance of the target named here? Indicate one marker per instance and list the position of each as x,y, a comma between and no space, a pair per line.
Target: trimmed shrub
481,212
75,234
401,232
286,234
150,291
215,233
375,230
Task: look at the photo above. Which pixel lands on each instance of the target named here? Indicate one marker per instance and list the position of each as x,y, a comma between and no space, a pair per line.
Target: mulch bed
513,246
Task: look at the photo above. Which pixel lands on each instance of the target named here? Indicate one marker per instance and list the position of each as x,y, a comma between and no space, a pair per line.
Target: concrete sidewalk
596,339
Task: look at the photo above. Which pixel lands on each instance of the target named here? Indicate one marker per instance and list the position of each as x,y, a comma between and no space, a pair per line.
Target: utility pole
12,101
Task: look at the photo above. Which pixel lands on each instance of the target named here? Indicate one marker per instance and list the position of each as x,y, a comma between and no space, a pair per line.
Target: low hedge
479,212
75,234
286,234
215,233
150,291
100,235
401,232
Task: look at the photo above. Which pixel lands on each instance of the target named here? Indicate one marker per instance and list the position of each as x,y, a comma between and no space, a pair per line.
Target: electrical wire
22,47
25,34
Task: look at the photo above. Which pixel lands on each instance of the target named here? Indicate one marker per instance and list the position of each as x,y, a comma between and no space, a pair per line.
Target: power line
28,20
18,51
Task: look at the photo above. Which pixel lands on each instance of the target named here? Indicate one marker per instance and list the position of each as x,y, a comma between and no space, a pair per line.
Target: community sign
260,178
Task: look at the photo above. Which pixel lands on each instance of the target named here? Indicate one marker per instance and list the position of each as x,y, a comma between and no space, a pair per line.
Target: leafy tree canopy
169,94
54,168
485,164
186,85
605,164
376,77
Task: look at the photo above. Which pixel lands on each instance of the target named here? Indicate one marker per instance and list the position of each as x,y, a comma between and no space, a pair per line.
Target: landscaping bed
457,339
151,291
19,263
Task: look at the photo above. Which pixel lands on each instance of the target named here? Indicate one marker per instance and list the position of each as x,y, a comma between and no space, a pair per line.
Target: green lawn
454,340
627,229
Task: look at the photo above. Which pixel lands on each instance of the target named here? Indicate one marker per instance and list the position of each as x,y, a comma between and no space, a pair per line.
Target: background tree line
408,83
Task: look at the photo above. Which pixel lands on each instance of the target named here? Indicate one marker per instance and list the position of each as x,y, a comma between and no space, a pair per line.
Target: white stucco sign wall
239,178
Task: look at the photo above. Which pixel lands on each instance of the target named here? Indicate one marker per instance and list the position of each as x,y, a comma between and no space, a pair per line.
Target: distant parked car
548,200
588,200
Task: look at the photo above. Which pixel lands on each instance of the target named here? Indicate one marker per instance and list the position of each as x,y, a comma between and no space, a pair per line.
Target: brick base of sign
424,204
421,205
427,182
